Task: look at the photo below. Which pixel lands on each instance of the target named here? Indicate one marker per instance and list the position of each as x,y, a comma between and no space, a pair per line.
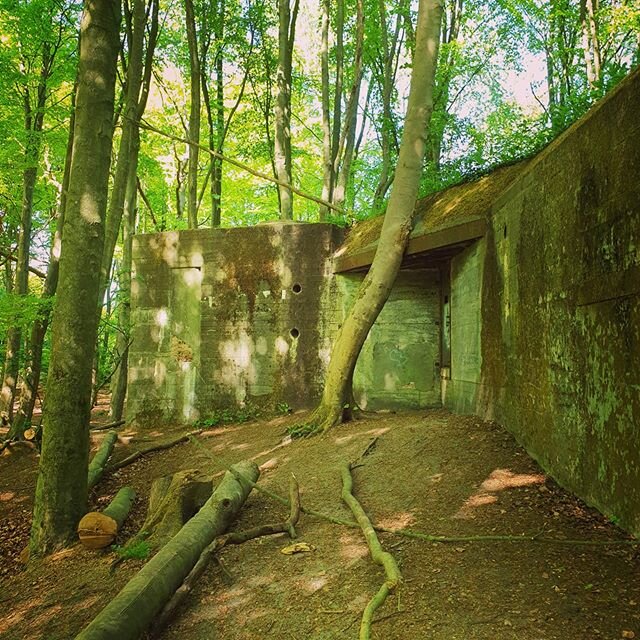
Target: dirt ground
431,471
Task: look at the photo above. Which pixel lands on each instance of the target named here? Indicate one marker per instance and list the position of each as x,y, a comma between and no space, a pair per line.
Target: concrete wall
555,355
228,317
399,365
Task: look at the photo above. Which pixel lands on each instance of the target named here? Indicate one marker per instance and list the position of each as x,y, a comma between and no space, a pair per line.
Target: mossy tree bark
144,596
396,227
61,491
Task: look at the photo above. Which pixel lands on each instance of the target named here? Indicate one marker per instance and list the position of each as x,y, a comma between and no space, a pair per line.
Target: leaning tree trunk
397,223
143,597
61,492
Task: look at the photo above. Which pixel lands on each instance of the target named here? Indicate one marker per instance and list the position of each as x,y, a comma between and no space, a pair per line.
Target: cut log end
96,530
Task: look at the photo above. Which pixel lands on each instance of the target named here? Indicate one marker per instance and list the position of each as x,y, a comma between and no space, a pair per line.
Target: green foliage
301,430
135,549
283,408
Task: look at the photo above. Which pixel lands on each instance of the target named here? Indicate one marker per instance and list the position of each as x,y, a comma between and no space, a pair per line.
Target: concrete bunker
517,301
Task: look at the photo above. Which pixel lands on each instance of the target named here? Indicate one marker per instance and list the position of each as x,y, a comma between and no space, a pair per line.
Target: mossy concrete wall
228,317
399,365
545,310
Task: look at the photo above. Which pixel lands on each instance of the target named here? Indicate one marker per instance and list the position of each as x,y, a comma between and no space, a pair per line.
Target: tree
33,368
286,40
339,132
396,228
194,116
41,34
61,491
138,87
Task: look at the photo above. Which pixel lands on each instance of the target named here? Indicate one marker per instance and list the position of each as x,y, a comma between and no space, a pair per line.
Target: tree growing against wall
396,228
61,491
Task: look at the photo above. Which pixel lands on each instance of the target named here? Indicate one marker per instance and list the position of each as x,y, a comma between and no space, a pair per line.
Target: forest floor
430,471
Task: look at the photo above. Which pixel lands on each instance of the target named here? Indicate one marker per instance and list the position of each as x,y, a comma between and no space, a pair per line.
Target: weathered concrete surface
555,353
227,317
399,365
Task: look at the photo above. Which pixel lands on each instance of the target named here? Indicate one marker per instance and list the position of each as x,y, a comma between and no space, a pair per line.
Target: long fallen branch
151,448
378,554
288,526
427,537
129,614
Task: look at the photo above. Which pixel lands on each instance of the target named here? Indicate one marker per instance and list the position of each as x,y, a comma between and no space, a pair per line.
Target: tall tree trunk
194,117
124,310
129,126
216,166
33,122
387,130
33,366
346,148
61,491
397,224
327,164
139,67
286,38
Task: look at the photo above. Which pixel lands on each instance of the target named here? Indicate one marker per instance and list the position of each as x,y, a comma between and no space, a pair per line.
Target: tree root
378,554
320,421
151,448
426,537
288,526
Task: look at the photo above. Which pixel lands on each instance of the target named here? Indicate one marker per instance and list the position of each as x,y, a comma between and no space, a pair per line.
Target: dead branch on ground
98,529
150,449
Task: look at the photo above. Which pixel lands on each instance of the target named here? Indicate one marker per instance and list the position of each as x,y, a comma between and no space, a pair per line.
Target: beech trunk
396,228
61,491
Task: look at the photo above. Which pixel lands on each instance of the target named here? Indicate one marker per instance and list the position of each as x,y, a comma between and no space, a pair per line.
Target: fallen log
151,448
173,500
99,461
288,526
98,529
143,597
378,554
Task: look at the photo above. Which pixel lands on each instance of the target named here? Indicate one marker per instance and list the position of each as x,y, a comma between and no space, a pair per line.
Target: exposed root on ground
378,554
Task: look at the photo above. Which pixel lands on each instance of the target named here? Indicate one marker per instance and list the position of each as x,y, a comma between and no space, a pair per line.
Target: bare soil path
430,471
